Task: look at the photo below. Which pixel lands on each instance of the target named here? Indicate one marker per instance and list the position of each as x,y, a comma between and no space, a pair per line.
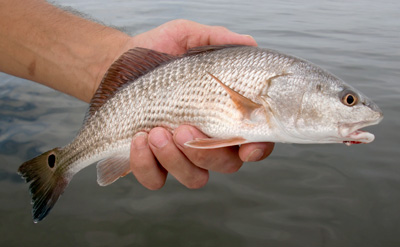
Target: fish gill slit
269,80
267,109
300,111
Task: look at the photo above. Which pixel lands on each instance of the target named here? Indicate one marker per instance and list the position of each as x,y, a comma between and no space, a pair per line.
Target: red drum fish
234,94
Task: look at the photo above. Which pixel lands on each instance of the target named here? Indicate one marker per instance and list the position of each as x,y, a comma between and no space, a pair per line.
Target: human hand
176,37
155,154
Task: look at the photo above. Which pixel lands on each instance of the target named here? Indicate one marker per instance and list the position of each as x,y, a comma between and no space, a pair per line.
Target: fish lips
352,133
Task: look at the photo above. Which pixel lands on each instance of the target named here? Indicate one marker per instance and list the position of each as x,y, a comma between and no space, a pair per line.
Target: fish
234,94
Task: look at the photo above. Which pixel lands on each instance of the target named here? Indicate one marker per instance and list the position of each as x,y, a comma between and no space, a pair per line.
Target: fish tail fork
47,182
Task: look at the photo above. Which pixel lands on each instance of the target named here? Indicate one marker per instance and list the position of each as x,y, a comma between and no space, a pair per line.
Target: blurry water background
302,195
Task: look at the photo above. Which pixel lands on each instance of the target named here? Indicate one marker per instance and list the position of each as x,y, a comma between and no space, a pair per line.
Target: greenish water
302,195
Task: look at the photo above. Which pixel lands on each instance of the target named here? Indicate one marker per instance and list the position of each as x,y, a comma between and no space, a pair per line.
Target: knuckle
139,167
216,162
198,181
200,159
231,167
155,185
221,28
142,163
179,23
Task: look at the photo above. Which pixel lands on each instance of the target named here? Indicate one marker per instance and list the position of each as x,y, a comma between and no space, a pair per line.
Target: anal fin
112,168
211,143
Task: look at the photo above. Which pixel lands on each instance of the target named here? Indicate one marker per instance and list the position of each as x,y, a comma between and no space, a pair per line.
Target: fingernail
158,138
140,140
256,155
250,37
247,36
182,136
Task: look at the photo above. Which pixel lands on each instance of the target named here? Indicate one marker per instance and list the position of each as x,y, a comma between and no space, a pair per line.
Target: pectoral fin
211,143
245,105
112,168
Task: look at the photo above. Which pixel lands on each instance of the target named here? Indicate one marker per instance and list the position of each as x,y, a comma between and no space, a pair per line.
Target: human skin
68,53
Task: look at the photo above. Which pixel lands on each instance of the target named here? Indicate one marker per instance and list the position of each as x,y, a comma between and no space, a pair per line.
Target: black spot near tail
47,183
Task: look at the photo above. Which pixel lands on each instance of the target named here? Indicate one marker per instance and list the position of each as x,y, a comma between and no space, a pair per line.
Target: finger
144,165
255,151
174,161
189,34
225,160
221,35
215,35
198,34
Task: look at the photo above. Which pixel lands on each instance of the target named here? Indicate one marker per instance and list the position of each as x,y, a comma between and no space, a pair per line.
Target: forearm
42,43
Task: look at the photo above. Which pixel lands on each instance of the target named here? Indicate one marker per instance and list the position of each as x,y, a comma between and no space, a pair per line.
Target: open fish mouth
358,137
352,134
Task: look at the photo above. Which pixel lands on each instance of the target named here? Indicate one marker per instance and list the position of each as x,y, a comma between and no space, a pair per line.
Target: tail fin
47,182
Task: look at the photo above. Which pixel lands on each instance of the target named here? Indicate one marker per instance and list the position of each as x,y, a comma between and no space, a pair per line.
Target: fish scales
193,99
234,94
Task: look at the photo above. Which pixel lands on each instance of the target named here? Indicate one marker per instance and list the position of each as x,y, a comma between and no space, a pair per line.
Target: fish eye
51,160
349,98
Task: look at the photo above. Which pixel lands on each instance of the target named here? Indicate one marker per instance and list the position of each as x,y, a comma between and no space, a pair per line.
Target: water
302,195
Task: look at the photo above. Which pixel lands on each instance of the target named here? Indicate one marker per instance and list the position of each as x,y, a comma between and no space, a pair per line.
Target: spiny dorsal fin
133,64
127,68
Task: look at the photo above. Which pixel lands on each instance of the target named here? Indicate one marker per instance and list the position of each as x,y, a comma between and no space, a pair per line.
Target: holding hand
71,54
155,154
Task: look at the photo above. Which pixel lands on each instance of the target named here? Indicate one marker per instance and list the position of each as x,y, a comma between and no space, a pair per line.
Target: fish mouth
352,133
358,137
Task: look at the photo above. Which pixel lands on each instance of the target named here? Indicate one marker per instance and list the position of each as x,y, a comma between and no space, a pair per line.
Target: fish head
317,107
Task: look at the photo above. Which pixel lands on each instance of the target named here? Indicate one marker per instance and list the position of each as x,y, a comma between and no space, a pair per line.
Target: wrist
111,49
53,47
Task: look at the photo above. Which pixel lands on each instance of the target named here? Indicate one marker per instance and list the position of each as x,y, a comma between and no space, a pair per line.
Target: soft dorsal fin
208,48
244,105
126,69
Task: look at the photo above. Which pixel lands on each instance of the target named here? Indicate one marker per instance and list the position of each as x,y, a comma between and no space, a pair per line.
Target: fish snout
377,112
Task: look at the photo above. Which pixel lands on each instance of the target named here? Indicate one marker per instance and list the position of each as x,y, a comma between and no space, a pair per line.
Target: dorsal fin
133,64
127,68
208,48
